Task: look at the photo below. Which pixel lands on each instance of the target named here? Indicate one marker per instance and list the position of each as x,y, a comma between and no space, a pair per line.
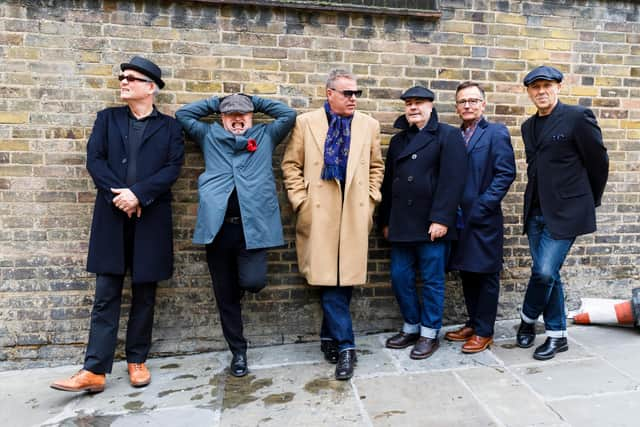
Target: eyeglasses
130,79
473,102
348,93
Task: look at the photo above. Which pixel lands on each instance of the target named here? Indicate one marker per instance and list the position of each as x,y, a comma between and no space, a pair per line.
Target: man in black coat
422,188
134,155
477,254
567,170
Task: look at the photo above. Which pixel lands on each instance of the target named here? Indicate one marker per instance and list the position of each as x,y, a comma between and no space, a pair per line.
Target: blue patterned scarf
336,146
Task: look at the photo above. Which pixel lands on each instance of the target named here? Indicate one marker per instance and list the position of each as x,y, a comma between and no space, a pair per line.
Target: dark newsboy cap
236,103
418,92
543,72
145,67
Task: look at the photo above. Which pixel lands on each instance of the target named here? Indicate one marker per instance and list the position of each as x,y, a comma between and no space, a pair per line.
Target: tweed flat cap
236,103
418,92
543,72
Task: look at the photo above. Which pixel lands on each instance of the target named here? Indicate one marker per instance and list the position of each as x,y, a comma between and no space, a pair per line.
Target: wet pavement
595,383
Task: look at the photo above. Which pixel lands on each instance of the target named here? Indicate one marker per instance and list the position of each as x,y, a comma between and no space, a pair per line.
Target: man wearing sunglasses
477,253
332,171
422,187
238,211
134,155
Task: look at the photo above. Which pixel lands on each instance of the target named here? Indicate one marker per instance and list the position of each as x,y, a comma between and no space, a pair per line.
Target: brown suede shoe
139,375
461,334
476,344
81,381
424,348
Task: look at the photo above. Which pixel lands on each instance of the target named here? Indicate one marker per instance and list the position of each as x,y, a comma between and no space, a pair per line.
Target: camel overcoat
332,236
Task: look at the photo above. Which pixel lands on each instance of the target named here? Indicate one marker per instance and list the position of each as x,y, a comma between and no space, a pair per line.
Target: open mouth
237,126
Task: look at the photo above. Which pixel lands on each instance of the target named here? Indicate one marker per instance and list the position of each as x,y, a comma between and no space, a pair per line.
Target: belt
233,220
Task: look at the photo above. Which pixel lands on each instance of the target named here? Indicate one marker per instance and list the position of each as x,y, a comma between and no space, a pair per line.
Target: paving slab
295,395
523,407
575,378
512,355
625,358
603,337
619,410
430,399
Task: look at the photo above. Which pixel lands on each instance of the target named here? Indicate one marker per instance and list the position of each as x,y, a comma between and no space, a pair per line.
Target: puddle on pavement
239,391
136,394
180,390
322,384
280,398
185,377
364,352
86,421
134,405
170,366
387,414
531,371
197,397
508,346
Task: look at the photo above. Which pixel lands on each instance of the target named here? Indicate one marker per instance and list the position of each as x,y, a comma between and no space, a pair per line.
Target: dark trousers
105,317
481,292
234,268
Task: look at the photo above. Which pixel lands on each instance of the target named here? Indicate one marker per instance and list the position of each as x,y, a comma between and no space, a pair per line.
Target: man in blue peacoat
567,170
134,155
238,212
422,188
477,253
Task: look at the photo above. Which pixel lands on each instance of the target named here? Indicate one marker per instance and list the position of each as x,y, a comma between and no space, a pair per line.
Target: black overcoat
491,169
423,180
570,165
158,165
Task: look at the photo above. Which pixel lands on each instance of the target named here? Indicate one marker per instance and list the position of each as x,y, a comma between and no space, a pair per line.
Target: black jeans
234,268
481,292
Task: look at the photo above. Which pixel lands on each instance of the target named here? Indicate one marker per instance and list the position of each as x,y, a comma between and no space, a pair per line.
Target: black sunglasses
348,93
130,79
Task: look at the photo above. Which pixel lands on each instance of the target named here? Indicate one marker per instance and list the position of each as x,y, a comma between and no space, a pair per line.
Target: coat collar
122,119
418,139
481,127
554,117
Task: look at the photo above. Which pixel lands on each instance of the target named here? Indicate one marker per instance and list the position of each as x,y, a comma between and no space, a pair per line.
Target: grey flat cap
543,72
236,103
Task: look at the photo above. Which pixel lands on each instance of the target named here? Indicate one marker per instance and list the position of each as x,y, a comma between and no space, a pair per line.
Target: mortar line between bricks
483,405
363,411
606,361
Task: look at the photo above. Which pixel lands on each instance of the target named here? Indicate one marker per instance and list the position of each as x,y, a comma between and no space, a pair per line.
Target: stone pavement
595,383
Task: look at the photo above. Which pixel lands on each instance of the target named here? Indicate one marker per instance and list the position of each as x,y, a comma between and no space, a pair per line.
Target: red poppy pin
252,145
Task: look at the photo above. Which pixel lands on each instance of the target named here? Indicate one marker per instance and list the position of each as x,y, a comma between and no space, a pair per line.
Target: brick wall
58,67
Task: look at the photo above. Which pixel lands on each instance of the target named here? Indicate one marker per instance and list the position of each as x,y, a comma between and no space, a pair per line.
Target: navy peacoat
159,161
423,180
570,165
491,169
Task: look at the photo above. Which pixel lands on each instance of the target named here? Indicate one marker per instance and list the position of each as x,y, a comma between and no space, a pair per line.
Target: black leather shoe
402,340
330,350
424,348
238,366
346,362
526,334
550,347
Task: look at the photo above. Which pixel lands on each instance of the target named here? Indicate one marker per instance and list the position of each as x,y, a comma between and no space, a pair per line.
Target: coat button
124,161
414,156
409,202
410,178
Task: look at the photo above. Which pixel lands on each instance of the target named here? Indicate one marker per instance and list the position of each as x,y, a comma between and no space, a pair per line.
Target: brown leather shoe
461,334
402,340
139,375
81,381
424,348
476,344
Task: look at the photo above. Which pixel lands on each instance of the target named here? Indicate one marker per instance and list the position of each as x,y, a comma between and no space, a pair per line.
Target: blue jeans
336,317
430,258
544,293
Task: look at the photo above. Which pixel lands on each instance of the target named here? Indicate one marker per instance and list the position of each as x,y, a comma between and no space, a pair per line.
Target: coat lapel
422,138
552,121
358,134
319,128
154,125
477,134
122,121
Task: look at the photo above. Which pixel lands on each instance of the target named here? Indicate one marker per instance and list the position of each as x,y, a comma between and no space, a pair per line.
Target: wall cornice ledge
430,11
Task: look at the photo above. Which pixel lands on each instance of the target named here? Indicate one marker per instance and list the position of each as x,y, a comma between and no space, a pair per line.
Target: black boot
526,334
346,362
238,366
330,350
550,347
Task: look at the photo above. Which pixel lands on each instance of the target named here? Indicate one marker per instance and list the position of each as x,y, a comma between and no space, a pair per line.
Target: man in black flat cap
567,169
422,188
134,155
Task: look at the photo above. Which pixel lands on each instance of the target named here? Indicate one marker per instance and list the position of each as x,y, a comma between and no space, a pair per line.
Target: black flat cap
145,67
543,72
418,92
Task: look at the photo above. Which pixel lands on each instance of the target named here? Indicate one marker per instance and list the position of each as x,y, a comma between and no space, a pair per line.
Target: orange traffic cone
603,311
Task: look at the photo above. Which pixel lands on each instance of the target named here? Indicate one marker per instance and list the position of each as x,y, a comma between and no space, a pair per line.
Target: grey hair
156,89
339,74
